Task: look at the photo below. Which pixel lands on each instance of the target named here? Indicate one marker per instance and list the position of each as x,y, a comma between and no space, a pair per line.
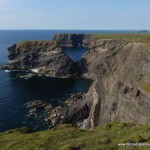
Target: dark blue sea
15,91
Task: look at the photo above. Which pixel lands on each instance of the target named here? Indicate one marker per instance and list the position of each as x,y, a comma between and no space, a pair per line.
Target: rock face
72,40
121,88
120,70
46,55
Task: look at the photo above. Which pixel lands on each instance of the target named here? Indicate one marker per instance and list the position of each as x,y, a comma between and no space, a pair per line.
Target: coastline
96,70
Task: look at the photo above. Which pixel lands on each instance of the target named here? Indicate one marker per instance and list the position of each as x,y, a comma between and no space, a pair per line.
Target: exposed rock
72,40
48,107
41,54
75,99
120,91
76,114
58,115
32,111
121,74
8,67
35,104
55,116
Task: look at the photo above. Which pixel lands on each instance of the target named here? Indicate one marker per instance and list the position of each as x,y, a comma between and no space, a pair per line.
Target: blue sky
75,14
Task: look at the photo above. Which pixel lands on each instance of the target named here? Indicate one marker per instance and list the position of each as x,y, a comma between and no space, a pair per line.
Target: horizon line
87,29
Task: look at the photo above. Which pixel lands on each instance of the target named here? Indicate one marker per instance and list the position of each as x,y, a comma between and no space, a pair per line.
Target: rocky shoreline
120,71
8,67
55,115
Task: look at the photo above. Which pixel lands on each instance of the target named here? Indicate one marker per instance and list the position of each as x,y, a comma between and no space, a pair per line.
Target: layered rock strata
121,88
46,56
73,40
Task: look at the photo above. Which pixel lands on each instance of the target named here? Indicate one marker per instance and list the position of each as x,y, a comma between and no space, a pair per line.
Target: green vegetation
35,42
142,38
65,137
145,86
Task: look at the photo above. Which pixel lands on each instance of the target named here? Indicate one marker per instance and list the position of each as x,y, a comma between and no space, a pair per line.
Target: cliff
44,55
120,71
121,88
72,40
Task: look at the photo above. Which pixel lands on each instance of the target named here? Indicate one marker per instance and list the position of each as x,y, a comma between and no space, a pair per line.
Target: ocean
16,91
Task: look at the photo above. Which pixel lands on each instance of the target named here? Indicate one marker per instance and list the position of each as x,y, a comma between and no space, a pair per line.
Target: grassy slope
145,86
66,137
144,38
35,42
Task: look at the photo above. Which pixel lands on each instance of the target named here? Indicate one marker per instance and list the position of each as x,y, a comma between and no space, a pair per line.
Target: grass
145,86
65,137
138,38
35,42
28,44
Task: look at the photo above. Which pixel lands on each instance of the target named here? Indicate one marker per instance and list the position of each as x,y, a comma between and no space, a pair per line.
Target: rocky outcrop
120,92
7,67
58,115
72,40
47,56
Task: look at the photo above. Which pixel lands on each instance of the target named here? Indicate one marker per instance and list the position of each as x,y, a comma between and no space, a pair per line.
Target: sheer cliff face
72,40
40,54
121,90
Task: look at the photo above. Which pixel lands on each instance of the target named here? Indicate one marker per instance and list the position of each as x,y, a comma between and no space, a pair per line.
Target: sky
75,14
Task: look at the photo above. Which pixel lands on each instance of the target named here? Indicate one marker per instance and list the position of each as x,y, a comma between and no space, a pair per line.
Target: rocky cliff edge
121,88
46,56
73,40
